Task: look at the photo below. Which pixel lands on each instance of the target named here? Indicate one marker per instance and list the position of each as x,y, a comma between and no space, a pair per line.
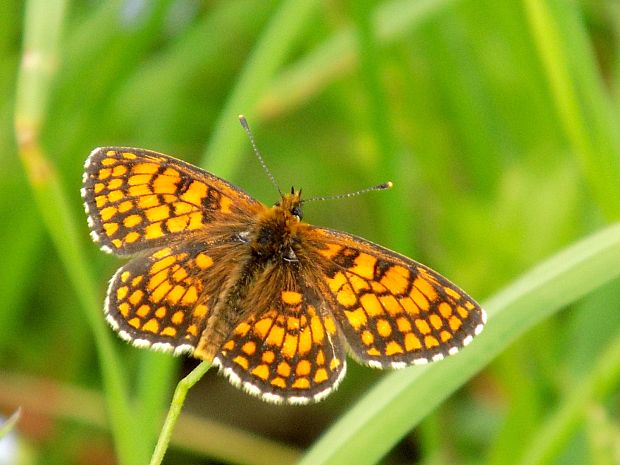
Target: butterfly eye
296,211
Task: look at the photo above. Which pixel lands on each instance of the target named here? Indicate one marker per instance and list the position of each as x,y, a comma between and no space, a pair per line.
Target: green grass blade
402,399
555,432
380,124
579,96
338,55
43,25
224,151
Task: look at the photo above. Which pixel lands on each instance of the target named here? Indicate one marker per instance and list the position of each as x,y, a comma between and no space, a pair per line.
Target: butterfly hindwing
163,299
393,311
291,351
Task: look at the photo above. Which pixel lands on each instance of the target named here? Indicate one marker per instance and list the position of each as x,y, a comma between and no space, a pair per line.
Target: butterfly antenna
380,187
246,127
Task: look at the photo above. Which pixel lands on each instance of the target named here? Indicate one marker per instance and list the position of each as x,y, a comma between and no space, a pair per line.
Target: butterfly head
276,231
291,203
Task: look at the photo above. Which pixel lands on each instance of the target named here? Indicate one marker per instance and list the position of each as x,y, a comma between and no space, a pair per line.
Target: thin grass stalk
43,26
223,154
555,432
338,55
593,142
175,410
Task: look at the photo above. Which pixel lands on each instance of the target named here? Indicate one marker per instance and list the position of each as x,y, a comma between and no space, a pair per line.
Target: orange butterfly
274,302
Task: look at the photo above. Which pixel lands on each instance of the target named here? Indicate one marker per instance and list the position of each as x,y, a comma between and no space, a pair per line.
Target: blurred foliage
497,122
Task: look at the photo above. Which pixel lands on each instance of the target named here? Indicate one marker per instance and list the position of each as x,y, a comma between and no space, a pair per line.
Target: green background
497,123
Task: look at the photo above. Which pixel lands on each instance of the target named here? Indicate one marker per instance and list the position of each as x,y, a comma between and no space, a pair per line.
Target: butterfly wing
288,349
164,299
393,311
138,199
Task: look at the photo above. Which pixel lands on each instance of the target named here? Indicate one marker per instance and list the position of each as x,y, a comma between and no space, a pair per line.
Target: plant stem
175,410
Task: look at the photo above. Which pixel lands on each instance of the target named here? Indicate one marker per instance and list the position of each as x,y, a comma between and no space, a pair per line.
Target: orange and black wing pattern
160,300
393,311
137,199
292,351
182,222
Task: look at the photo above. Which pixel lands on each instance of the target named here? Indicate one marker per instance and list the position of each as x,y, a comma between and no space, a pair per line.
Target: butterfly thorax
275,235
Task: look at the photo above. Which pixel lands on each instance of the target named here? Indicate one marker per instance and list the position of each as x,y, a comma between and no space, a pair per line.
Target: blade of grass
43,25
117,51
402,399
337,56
552,436
396,233
224,151
579,97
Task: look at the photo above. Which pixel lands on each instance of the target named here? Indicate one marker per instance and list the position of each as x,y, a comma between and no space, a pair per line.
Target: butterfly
274,302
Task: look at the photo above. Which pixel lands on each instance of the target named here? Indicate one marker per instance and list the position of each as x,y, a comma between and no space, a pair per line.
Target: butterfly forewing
137,199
